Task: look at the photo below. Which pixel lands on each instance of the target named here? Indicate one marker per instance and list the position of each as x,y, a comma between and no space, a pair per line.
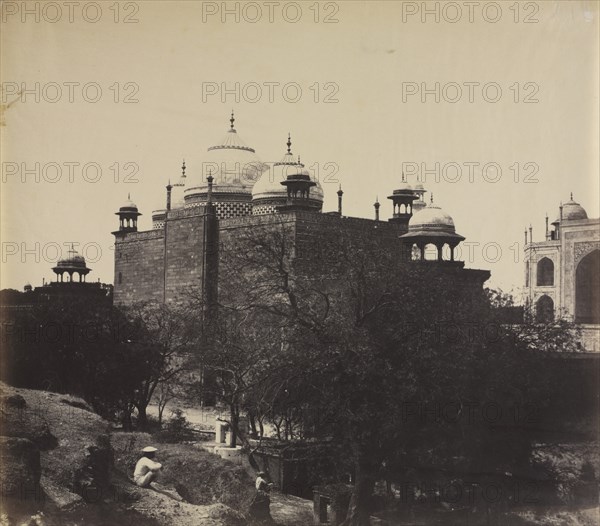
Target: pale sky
367,65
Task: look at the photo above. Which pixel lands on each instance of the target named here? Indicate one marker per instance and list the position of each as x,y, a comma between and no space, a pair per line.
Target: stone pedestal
223,434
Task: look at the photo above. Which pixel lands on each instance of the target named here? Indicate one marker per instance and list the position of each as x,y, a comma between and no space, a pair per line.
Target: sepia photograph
300,263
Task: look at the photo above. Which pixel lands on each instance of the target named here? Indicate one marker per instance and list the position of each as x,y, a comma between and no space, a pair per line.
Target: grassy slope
203,478
199,476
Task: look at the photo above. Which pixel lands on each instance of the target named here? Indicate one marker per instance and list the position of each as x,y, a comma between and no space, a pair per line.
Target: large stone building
233,191
562,272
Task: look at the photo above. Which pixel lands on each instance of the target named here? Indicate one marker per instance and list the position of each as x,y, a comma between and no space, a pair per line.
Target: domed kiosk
73,264
128,215
432,226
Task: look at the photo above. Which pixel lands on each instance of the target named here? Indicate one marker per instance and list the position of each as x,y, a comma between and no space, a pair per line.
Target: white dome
234,166
128,206
431,218
269,185
403,187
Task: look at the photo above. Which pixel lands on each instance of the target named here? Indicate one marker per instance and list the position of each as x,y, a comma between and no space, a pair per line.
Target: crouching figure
146,472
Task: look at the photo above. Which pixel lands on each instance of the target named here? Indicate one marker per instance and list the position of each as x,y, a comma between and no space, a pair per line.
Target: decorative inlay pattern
583,248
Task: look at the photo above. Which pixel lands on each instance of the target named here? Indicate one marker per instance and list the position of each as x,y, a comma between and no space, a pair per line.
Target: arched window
431,253
527,273
544,310
120,280
545,273
587,289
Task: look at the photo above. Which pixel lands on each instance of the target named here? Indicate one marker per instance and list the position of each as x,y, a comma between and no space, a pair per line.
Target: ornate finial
210,178
340,192
571,196
232,120
128,196
376,203
299,160
289,143
403,177
183,169
431,198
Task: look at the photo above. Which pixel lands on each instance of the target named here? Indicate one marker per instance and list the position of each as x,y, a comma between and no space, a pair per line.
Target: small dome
73,260
431,218
128,206
573,211
419,187
403,187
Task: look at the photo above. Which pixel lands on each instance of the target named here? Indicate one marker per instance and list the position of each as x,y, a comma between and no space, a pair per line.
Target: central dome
234,166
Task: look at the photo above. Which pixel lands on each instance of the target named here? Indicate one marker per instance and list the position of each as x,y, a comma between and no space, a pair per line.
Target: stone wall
184,261
139,267
168,263
162,264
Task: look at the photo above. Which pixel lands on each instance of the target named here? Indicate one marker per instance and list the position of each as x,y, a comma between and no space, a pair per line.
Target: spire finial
299,160
431,198
183,169
210,180
128,196
403,177
232,120
289,143
571,196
